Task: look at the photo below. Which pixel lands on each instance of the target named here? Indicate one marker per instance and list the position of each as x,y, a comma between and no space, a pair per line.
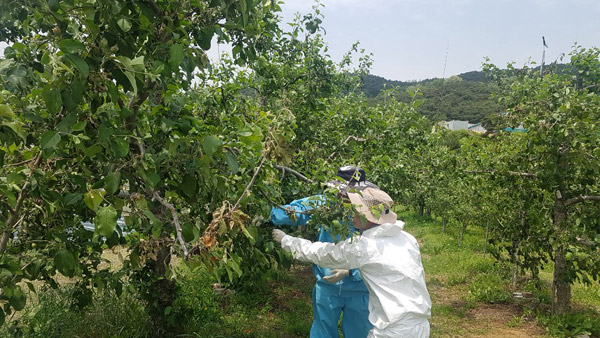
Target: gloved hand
336,275
278,235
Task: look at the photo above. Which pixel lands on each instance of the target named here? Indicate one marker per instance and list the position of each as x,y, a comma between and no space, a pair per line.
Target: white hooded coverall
390,264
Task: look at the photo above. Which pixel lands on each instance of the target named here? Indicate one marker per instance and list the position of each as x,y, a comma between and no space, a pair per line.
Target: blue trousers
329,304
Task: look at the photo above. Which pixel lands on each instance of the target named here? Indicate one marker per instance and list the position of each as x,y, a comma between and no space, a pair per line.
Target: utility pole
544,46
445,60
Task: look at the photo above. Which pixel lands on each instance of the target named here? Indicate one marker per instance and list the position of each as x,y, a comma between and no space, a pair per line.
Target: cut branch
351,137
175,221
295,173
581,198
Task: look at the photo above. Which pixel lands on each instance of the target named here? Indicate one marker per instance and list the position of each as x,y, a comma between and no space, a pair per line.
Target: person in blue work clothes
336,291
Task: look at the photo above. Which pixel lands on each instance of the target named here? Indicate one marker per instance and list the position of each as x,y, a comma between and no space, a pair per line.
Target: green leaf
18,299
105,132
6,111
93,150
187,231
80,64
189,185
175,56
112,183
120,147
93,198
235,266
45,58
124,24
137,63
79,126
2,317
54,5
70,46
49,140
155,222
131,77
67,123
152,178
251,233
72,198
211,144
106,221
232,162
53,100
134,258
65,263
76,91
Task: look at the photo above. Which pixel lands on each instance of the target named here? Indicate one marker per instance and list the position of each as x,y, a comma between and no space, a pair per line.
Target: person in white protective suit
389,261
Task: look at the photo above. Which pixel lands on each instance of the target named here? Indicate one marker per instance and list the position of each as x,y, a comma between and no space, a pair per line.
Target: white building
463,125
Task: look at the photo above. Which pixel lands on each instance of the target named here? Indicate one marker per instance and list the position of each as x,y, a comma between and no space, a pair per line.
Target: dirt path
452,316
500,321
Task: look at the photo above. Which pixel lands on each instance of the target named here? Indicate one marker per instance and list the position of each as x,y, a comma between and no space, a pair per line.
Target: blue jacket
352,283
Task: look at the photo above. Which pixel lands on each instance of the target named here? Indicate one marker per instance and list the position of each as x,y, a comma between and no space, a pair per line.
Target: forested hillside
467,96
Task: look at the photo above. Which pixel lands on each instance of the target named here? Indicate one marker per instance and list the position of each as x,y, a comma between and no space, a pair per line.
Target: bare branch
175,221
237,204
586,242
581,198
289,210
295,173
522,174
20,163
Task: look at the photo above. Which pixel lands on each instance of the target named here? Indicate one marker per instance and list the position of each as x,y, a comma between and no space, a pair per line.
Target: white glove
336,275
278,235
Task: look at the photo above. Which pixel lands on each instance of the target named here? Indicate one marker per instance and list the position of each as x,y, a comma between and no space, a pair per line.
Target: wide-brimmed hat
374,204
352,178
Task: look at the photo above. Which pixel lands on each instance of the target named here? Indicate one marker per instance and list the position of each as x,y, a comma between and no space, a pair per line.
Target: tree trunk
443,224
164,289
462,233
561,283
4,241
428,212
515,268
487,231
421,208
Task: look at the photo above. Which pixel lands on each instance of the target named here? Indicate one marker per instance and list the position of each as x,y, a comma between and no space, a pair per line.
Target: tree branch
175,221
295,173
586,242
14,214
289,210
237,204
581,198
522,174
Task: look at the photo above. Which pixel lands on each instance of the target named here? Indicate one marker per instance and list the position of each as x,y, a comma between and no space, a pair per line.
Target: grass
470,291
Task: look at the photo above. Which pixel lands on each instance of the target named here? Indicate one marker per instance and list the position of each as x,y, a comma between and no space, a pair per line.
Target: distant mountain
467,96
373,84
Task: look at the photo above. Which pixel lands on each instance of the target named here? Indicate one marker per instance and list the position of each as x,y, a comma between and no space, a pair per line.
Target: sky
414,39
421,39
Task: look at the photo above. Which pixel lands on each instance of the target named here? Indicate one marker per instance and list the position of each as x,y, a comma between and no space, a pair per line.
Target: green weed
572,324
489,288
54,316
516,321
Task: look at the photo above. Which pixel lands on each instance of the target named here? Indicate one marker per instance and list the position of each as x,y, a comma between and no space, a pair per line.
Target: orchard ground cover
470,290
